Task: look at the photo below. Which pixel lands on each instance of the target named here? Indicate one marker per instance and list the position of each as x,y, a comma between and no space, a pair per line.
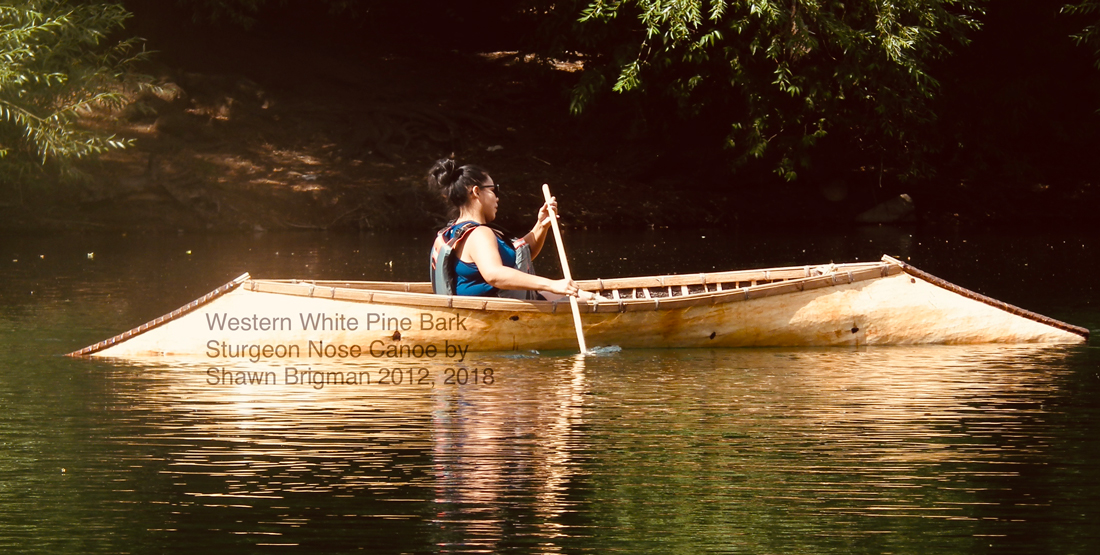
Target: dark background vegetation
301,114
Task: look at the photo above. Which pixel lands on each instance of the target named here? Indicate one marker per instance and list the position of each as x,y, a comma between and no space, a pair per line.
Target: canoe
888,302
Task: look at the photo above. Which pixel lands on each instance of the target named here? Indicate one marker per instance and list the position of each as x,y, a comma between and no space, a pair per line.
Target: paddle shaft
565,269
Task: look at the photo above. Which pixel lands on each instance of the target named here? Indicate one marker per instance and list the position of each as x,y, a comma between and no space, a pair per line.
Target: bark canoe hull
881,303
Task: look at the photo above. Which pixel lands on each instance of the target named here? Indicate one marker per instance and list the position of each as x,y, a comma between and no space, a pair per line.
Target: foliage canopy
788,85
1090,35
784,73
54,67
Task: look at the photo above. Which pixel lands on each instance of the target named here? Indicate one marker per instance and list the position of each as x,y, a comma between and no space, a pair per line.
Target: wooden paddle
565,269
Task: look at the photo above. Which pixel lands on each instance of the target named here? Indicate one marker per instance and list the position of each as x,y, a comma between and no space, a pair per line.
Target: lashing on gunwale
684,290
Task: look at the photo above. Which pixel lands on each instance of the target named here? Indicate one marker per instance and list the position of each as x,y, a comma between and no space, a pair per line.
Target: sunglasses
495,187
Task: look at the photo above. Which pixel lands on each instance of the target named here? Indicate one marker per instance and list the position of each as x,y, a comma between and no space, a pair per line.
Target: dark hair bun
444,173
453,181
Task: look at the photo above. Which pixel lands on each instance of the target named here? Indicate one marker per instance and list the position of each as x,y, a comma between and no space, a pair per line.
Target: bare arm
481,249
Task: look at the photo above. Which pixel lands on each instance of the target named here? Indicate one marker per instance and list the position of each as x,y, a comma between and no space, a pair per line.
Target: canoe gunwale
405,294
1010,308
160,321
770,274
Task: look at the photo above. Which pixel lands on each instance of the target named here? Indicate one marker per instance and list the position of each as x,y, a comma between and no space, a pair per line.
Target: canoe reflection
908,432
472,443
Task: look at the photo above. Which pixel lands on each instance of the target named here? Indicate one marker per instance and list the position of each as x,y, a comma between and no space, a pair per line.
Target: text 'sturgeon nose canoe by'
878,303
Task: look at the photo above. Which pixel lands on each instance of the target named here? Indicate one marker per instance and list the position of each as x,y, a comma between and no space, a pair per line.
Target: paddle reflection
506,452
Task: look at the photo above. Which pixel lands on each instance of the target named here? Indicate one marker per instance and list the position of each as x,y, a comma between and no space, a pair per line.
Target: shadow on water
929,449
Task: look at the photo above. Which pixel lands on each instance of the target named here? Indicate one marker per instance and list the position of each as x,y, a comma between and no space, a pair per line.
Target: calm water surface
883,450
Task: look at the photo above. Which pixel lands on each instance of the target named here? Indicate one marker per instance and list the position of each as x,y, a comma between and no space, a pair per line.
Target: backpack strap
459,233
442,256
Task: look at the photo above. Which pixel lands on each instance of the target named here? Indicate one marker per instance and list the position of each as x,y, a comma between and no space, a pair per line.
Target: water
987,449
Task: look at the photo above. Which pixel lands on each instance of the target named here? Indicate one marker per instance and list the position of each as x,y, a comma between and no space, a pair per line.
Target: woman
485,261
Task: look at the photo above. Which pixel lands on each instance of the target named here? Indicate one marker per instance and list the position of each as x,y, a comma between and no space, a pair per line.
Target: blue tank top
469,281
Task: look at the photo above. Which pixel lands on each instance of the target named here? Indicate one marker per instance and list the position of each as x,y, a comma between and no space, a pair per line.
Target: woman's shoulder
482,233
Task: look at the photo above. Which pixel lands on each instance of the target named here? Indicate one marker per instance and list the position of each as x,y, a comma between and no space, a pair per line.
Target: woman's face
487,194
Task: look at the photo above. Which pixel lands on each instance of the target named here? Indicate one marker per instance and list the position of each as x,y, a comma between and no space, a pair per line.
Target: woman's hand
590,296
564,287
544,212
538,234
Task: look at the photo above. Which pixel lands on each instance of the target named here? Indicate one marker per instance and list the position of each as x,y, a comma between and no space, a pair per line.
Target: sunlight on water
642,451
